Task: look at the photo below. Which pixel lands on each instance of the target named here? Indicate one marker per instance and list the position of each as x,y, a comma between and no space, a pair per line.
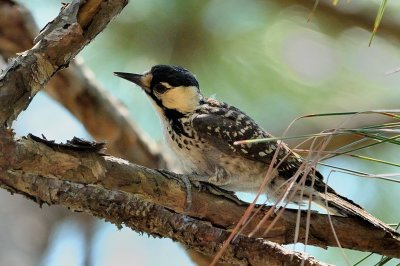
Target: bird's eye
159,88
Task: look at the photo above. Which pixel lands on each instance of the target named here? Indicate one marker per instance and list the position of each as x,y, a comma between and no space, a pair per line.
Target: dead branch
56,45
65,162
123,209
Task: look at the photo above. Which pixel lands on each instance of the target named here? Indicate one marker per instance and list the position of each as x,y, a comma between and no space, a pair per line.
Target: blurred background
261,56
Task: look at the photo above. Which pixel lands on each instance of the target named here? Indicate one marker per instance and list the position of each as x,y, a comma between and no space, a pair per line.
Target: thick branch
59,42
166,189
123,208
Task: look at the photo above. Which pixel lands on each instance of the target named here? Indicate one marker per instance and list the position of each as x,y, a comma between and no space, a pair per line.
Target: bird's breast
188,147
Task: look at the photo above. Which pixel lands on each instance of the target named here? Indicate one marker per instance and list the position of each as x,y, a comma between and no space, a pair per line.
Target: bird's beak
142,80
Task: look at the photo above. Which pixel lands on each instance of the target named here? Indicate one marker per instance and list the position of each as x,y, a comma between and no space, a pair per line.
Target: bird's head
172,88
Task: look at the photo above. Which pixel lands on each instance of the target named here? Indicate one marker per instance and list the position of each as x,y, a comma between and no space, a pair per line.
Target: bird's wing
221,125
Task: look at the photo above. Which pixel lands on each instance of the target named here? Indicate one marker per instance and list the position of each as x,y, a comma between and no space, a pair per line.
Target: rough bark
56,45
123,208
84,165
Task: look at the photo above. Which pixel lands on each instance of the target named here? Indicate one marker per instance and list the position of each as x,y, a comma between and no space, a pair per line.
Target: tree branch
77,24
85,166
122,208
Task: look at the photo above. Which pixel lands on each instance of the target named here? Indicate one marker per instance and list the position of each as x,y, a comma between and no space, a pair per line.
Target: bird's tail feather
339,205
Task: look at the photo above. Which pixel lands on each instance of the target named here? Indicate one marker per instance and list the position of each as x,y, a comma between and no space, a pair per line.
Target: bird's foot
213,184
220,177
187,184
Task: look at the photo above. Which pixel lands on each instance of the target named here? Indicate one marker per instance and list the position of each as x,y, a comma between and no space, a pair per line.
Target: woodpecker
202,133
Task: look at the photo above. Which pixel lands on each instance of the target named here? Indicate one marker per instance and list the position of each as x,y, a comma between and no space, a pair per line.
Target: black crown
173,75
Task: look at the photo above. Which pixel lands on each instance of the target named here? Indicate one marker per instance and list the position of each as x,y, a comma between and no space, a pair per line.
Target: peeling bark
86,166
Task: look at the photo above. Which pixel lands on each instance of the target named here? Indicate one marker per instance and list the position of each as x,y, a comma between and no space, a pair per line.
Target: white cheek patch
183,99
